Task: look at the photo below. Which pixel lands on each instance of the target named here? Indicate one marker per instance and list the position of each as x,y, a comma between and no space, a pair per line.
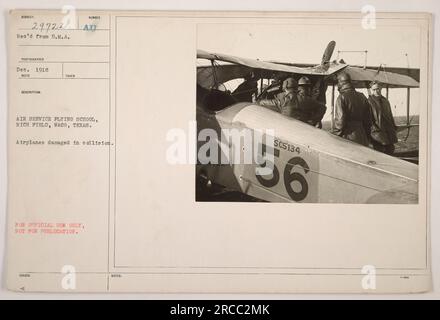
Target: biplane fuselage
310,165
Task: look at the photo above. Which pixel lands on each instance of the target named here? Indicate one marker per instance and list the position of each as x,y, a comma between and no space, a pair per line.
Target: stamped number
290,176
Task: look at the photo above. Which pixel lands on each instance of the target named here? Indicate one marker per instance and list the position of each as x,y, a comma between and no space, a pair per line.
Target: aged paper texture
118,176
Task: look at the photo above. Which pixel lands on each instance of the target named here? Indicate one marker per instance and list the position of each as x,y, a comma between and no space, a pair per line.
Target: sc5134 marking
286,146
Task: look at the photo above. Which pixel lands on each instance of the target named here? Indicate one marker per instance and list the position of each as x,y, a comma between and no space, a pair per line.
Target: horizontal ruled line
52,30
64,78
21,61
64,45
236,273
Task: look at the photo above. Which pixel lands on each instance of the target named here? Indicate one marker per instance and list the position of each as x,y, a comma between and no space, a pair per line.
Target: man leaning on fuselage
285,102
313,110
290,104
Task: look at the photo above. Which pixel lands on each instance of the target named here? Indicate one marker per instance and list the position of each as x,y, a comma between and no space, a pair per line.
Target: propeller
328,52
325,61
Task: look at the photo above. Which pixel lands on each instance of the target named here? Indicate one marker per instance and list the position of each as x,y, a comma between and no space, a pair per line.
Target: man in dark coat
313,110
383,129
285,102
290,104
352,113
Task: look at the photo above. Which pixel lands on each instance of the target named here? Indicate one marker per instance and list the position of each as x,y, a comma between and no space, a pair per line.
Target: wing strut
214,74
408,95
333,107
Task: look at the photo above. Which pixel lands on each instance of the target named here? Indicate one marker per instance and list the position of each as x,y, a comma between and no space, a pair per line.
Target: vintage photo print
292,112
164,152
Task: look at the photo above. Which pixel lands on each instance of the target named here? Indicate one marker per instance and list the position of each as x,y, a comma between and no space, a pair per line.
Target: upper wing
394,80
271,66
393,77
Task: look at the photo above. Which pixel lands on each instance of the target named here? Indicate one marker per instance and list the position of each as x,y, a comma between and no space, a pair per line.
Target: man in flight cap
285,102
313,111
383,129
352,112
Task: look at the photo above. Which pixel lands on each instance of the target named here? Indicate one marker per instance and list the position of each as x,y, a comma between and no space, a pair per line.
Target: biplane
309,164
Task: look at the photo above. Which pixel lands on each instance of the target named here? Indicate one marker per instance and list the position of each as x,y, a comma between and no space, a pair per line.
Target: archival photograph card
218,152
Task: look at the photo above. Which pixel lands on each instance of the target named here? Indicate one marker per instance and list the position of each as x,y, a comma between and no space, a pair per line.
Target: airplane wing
224,73
393,80
393,77
413,73
270,66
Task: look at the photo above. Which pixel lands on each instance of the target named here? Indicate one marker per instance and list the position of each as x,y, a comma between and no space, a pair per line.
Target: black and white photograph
308,113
